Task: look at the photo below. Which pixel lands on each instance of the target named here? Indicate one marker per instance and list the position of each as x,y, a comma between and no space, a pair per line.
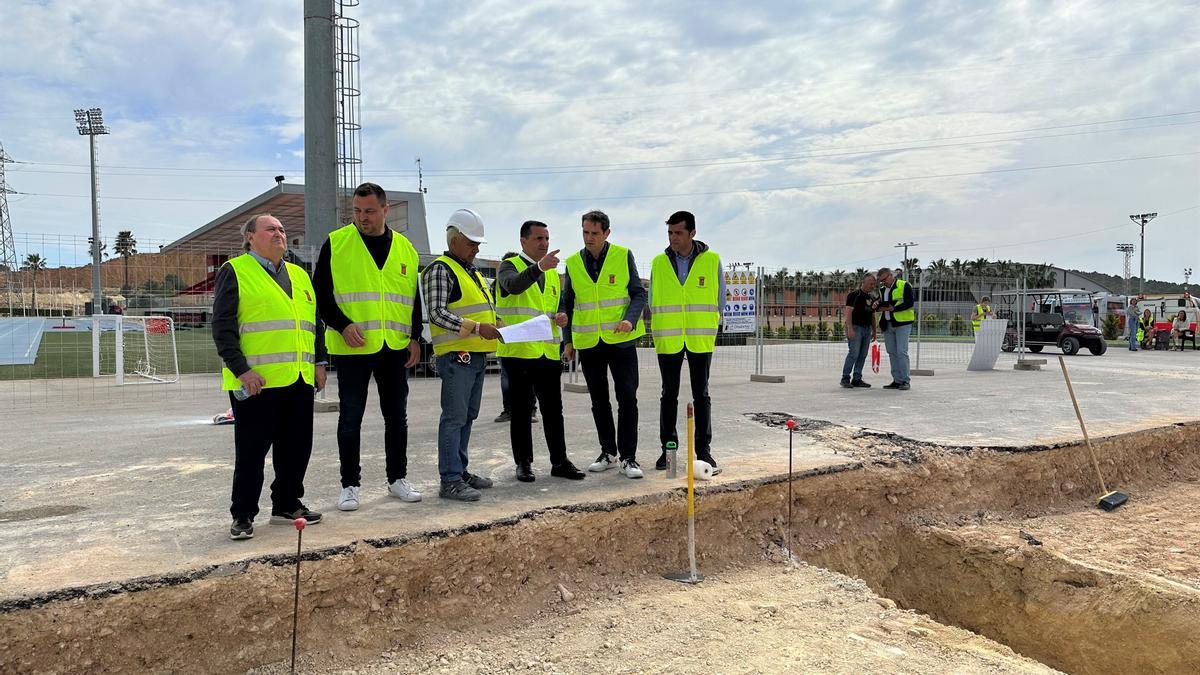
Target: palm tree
34,262
125,246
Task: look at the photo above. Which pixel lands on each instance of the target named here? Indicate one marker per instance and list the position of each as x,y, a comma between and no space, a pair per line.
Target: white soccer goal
136,349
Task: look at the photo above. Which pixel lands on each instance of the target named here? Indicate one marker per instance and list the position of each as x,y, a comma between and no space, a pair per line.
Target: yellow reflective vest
600,305
976,323
687,314
380,301
278,331
476,304
907,316
534,301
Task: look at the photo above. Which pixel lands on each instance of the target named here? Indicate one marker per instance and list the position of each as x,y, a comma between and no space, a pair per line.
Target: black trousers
597,362
670,365
354,374
279,420
529,379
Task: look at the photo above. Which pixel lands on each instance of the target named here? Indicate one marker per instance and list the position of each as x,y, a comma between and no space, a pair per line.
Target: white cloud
502,84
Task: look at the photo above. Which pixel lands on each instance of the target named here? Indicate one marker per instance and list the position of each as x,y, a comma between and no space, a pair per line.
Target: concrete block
922,372
770,379
575,387
325,406
1027,365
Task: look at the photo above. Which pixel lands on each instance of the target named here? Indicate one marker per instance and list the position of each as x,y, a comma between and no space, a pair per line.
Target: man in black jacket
897,316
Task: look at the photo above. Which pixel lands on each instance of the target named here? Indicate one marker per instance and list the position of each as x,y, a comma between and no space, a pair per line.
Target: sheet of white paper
536,329
987,344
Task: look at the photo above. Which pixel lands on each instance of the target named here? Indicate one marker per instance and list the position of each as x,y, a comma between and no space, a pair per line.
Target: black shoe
661,463
894,385
846,384
707,457
525,473
504,416
904,386
459,491
477,482
242,528
567,470
285,517
859,384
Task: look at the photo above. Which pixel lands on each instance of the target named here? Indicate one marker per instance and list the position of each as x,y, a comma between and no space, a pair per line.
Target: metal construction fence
52,350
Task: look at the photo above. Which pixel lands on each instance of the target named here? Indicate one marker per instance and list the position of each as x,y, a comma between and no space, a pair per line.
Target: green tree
1112,327
34,262
838,332
795,332
822,330
125,246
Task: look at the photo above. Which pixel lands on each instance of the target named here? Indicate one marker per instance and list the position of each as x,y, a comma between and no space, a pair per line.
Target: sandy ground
1155,534
779,618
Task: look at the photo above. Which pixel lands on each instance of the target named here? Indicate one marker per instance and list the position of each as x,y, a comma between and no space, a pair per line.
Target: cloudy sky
799,134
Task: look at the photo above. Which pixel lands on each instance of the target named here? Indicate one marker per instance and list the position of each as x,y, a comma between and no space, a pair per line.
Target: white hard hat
469,223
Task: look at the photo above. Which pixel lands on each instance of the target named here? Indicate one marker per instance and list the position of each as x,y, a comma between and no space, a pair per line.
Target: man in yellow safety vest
897,316
366,283
603,298
265,329
527,287
462,322
982,311
687,289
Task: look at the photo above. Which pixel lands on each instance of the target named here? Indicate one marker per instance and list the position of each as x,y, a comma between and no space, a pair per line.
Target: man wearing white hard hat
462,322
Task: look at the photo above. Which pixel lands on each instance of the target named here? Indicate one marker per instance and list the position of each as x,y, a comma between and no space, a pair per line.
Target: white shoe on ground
603,463
630,468
349,499
404,491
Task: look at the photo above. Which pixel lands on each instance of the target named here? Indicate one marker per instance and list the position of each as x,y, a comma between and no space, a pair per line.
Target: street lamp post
1142,219
1187,277
90,123
905,245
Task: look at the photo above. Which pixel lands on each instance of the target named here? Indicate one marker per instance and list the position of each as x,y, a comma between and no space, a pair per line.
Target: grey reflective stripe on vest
519,311
447,337
364,296
676,309
614,302
396,297
278,357
674,332
390,325
279,324
585,327
469,309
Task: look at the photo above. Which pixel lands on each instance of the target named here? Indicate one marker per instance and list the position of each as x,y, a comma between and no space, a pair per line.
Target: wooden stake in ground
791,427
691,576
1108,500
299,523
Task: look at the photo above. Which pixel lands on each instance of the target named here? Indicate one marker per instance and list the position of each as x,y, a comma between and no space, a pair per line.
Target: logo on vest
701,282
404,269
612,279
307,296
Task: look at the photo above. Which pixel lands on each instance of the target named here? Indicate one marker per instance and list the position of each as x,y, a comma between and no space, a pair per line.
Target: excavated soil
913,521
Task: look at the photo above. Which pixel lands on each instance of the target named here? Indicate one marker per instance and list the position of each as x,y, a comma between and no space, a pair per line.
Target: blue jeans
462,389
860,344
895,339
1133,343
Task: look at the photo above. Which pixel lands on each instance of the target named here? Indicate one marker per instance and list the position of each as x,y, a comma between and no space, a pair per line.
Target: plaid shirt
439,290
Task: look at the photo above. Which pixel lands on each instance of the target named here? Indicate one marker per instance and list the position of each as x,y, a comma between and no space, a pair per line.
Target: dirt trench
888,518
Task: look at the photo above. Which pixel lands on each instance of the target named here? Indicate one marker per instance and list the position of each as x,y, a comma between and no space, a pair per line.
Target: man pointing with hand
526,287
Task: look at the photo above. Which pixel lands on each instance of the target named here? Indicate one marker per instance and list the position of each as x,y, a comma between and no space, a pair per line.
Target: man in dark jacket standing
896,306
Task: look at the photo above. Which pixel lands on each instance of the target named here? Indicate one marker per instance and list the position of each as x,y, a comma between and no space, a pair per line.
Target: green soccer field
69,354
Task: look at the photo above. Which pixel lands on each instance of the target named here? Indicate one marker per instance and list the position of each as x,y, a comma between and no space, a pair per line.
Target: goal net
136,349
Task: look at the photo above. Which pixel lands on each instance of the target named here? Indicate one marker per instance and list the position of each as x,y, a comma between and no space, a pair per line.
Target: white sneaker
404,490
603,463
349,499
630,468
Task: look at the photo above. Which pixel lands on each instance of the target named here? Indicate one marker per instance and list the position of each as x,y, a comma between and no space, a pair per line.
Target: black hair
685,217
369,189
598,217
527,227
